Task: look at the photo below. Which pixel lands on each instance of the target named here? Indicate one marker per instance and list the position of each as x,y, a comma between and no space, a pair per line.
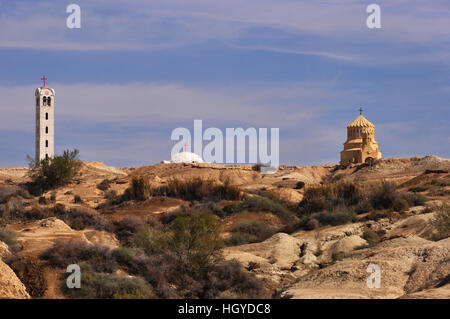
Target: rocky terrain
323,262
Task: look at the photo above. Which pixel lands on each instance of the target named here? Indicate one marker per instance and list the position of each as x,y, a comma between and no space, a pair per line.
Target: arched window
49,101
46,116
46,143
46,130
44,101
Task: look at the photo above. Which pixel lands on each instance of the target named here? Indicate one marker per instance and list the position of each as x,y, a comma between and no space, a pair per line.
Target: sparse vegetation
80,218
441,221
108,286
197,188
249,232
261,204
30,272
331,197
139,190
66,252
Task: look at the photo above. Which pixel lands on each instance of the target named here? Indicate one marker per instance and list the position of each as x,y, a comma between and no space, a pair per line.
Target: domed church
360,146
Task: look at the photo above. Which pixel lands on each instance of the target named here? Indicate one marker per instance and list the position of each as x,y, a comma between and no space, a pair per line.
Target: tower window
44,101
46,143
46,130
46,156
49,101
46,116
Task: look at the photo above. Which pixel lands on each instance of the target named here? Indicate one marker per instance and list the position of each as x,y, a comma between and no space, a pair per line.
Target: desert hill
293,258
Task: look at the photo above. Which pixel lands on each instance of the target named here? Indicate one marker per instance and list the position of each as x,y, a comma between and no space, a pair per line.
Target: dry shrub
371,236
249,232
331,196
66,252
441,221
139,190
80,218
31,273
127,228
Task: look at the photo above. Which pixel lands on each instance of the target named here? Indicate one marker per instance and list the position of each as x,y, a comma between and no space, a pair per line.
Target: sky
138,69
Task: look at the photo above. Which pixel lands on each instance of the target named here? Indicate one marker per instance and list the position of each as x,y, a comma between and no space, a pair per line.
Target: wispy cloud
157,24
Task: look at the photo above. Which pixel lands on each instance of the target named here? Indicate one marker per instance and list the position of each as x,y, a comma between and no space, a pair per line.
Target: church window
46,156
46,143
46,130
44,101
49,100
46,116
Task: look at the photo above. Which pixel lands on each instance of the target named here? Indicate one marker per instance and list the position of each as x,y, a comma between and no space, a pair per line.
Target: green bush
400,204
108,286
371,237
196,237
54,172
9,237
151,241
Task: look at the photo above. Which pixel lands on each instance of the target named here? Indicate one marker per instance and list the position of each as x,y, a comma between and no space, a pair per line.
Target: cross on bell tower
44,79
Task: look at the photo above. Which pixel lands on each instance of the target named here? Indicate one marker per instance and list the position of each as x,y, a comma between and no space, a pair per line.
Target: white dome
186,157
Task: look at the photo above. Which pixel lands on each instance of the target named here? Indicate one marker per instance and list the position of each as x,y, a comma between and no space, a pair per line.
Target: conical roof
361,121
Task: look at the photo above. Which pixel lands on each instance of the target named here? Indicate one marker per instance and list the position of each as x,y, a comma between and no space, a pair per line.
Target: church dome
361,121
186,157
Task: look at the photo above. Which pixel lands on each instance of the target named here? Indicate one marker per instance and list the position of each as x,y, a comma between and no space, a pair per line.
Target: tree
54,172
196,239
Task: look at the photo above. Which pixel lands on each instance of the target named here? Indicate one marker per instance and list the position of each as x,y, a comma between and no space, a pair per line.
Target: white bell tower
45,122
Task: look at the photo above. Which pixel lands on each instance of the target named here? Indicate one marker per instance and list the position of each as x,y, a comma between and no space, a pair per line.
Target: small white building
45,122
185,157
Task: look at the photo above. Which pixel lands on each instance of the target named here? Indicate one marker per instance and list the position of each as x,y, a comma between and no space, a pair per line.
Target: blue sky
138,69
